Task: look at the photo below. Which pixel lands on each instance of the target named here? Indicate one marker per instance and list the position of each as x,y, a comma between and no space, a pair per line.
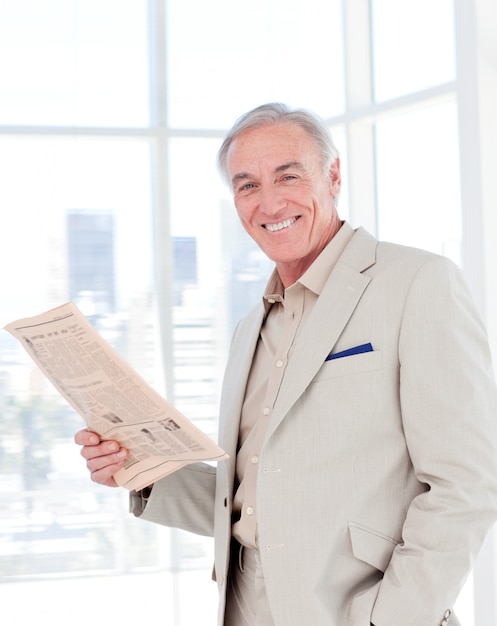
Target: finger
86,437
103,468
103,449
105,476
96,461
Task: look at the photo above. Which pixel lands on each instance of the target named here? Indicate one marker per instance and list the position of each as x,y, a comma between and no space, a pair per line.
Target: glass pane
74,62
413,46
172,599
418,180
46,181
76,223
232,57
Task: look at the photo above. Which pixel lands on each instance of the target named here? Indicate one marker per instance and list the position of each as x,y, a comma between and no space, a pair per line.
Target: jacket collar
339,297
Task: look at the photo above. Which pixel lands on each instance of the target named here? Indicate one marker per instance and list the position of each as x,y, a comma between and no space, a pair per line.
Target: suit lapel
332,311
235,380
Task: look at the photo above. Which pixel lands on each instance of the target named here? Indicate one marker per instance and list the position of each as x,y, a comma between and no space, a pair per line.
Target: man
359,411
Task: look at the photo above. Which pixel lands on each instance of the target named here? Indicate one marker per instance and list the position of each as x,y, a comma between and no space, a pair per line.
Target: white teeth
280,225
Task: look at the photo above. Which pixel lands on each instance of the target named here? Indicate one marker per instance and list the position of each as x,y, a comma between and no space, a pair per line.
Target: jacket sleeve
449,415
184,499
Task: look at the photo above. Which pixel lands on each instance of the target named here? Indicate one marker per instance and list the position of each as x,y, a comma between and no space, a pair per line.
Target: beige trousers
247,603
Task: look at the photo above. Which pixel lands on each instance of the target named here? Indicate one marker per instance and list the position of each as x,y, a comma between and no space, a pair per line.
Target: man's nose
271,200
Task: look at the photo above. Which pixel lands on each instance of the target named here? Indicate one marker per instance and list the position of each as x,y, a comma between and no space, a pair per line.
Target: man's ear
335,177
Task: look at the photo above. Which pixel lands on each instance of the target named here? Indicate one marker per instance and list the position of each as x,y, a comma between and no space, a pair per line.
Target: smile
281,225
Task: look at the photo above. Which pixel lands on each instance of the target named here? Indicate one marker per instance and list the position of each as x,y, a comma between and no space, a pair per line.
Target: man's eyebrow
240,176
281,168
287,166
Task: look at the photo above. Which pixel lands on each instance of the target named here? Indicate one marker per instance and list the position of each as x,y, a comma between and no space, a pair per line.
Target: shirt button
249,510
279,363
254,459
271,300
266,410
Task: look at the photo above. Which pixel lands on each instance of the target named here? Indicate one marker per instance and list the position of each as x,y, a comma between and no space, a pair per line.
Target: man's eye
247,187
289,177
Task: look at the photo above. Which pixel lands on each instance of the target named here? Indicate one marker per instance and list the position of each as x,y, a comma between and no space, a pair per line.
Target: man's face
284,199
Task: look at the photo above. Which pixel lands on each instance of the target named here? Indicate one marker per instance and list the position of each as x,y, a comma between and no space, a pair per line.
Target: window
413,46
274,50
111,113
418,191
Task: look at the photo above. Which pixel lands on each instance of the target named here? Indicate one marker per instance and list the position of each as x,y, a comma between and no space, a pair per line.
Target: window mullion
360,132
162,242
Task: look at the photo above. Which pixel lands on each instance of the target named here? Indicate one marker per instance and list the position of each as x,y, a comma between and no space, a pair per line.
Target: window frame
476,100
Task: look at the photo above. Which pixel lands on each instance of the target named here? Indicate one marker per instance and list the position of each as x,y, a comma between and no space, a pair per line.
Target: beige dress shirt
286,313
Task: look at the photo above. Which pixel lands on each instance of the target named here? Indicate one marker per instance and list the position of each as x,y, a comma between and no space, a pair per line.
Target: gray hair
274,113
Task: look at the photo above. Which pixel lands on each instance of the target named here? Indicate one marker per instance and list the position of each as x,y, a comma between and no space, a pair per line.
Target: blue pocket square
365,347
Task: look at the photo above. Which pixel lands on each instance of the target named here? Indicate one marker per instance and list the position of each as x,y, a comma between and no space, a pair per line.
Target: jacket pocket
371,546
349,365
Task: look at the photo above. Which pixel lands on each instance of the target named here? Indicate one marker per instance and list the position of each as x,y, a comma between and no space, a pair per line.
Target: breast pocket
349,365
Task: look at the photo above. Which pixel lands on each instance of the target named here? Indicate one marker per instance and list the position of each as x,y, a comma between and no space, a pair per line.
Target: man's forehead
277,147
277,133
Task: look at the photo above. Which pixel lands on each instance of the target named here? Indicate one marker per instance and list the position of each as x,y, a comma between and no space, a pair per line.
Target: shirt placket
288,314
293,308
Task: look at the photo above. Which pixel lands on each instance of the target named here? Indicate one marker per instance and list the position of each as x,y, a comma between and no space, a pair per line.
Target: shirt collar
274,291
315,277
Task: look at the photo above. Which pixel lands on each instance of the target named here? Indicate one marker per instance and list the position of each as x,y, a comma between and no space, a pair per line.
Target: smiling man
284,192
359,410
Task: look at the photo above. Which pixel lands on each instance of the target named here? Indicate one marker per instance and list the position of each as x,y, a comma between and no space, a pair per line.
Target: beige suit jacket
378,477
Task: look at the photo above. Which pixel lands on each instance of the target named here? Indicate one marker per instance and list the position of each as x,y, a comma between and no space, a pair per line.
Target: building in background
91,260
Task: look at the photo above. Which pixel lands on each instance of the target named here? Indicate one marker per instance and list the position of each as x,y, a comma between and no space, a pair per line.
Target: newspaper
113,399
